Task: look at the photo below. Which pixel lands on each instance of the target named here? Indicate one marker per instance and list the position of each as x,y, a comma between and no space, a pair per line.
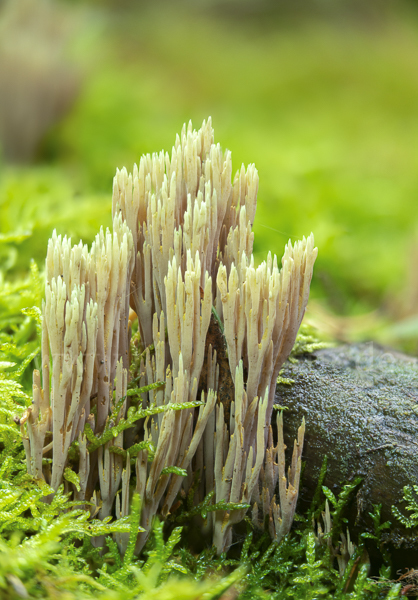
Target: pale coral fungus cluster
214,331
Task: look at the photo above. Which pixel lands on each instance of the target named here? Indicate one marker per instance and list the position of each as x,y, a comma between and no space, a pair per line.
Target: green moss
45,547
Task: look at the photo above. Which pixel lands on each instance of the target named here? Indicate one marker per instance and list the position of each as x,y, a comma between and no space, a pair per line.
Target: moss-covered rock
360,403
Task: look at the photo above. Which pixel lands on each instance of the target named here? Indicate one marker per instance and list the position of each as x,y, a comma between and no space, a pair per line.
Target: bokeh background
322,96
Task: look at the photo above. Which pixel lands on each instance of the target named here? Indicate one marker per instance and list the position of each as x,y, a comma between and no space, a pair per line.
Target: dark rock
360,403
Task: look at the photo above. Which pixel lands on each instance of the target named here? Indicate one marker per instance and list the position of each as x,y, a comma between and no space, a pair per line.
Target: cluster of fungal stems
213,332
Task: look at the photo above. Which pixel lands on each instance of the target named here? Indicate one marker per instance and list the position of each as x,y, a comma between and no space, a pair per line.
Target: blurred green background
322,96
